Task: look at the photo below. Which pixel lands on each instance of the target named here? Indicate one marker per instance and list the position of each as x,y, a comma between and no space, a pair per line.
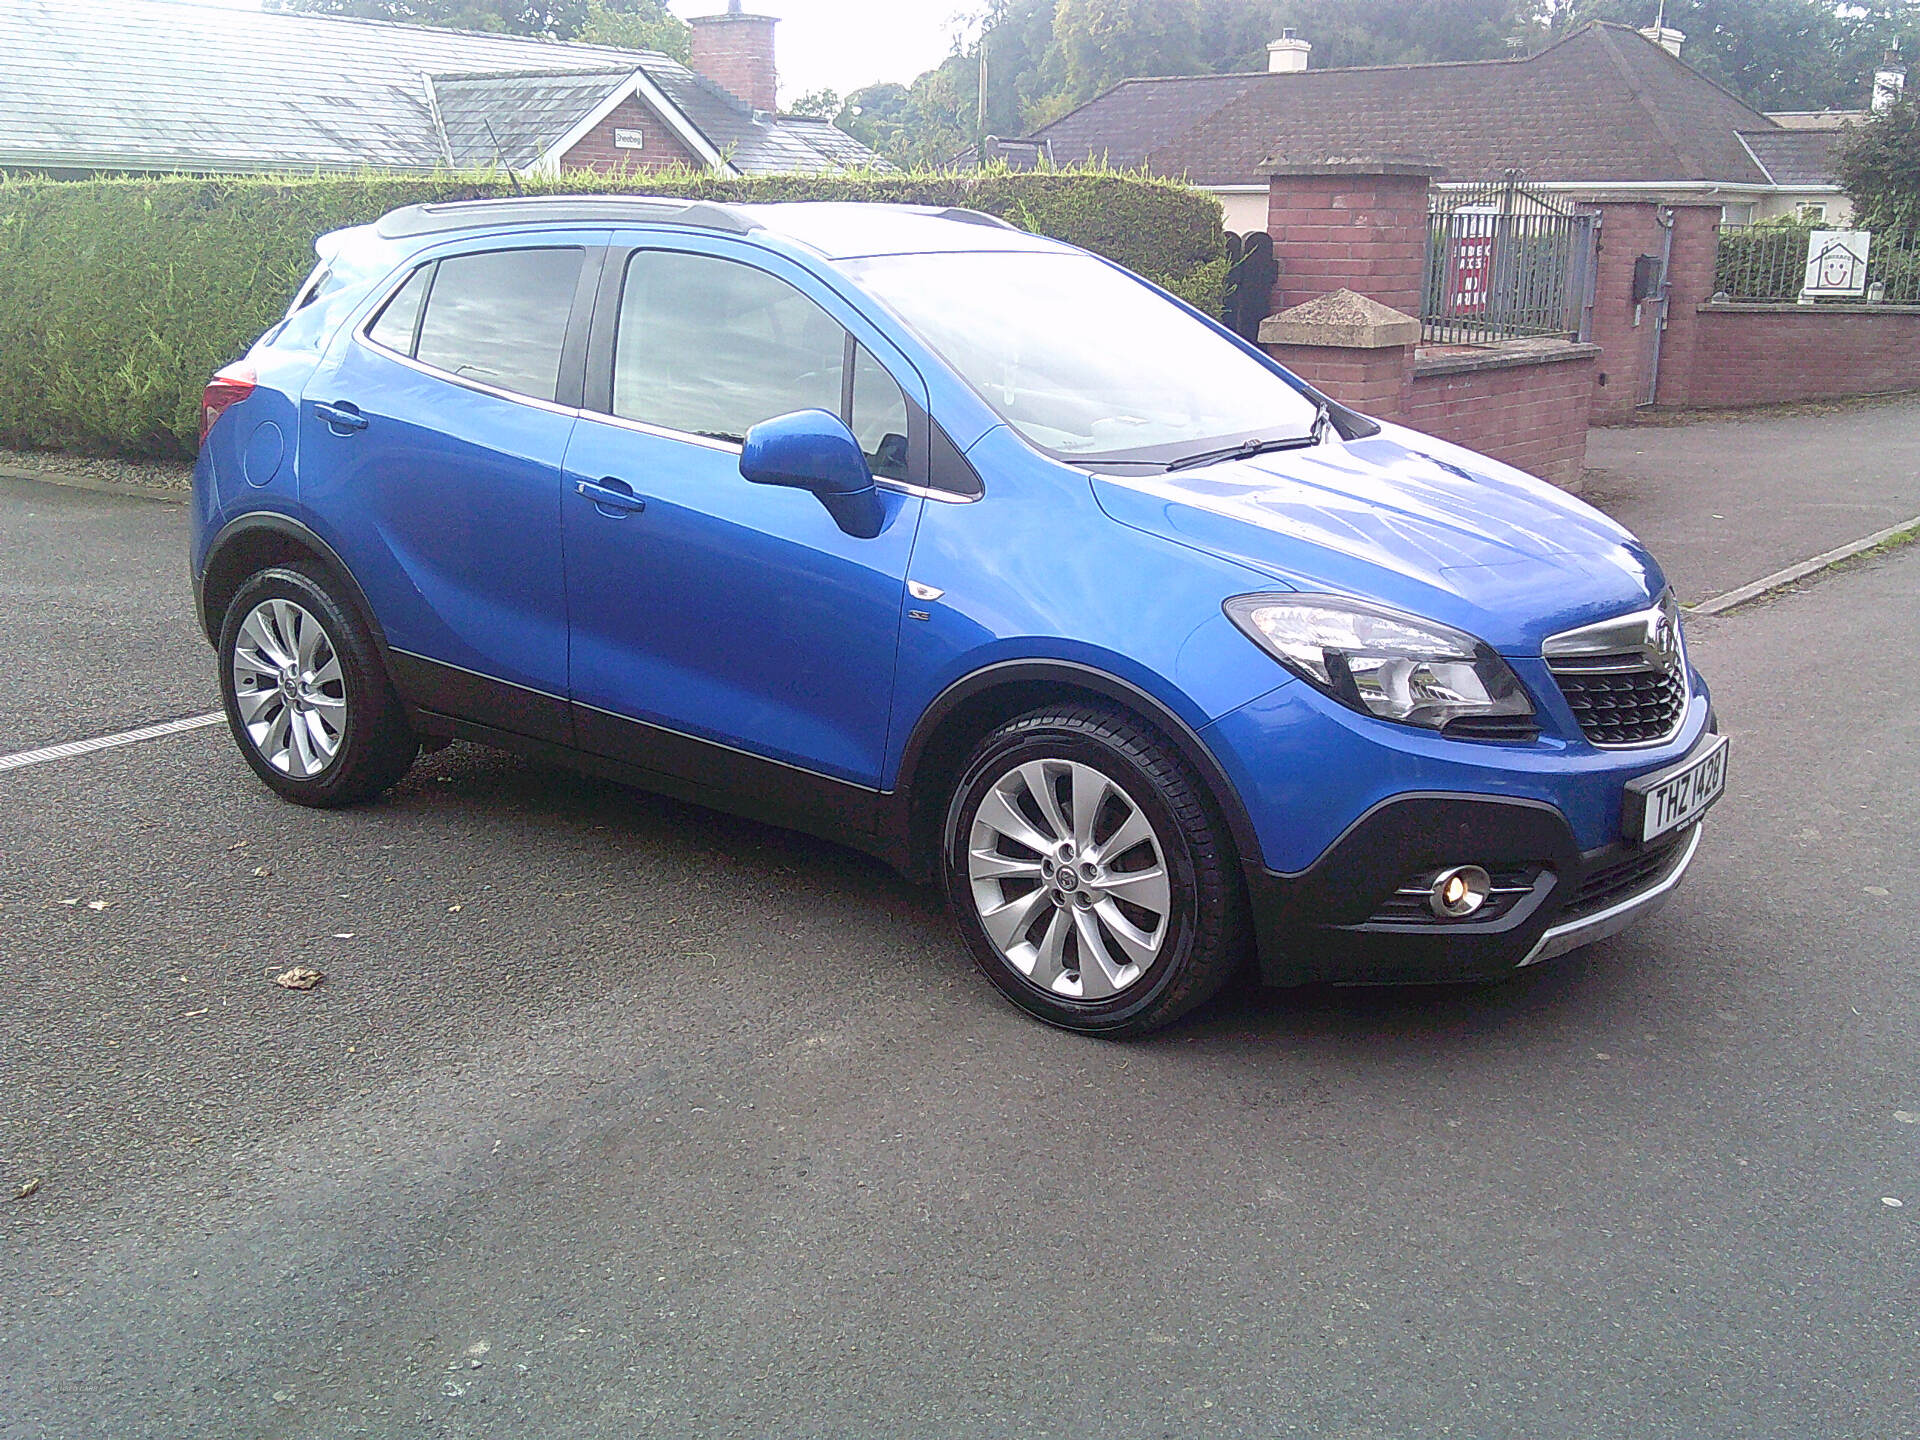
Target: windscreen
1082,360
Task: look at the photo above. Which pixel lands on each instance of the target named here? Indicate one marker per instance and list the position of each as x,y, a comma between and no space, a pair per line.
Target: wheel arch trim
256,522
1007,674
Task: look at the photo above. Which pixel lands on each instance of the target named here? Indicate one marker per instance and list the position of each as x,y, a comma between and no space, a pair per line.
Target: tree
559,18
1102,42
1880,170
1774,54
628,24
637,25
824,104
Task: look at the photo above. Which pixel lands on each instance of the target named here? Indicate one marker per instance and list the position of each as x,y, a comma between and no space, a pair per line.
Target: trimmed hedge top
119,298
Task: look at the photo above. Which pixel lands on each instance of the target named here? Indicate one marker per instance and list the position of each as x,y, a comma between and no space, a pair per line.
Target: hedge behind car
119,297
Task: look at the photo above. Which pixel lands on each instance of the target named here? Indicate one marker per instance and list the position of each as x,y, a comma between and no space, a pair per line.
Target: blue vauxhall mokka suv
961,546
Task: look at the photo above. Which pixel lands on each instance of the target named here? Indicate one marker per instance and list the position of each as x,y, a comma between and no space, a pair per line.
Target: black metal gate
1504,262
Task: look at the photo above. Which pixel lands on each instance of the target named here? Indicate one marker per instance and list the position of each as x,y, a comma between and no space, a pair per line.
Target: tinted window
394,329
879,420
712,347
501,318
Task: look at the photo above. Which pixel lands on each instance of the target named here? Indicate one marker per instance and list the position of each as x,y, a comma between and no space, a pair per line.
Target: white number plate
1667,800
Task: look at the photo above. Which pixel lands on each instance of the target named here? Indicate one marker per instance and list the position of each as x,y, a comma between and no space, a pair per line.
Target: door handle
612,498
342,416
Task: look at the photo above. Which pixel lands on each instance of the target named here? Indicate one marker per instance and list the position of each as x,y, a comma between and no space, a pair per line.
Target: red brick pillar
1628,229
1358,225
1696,245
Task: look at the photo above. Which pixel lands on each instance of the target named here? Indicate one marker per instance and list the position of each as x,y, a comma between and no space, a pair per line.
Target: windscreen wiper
1247,449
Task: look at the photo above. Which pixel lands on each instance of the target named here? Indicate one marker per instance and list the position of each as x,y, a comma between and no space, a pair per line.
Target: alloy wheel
290,688
1069,879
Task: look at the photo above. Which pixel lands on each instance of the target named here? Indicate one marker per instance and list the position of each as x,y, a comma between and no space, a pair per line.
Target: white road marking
1720,604
108,742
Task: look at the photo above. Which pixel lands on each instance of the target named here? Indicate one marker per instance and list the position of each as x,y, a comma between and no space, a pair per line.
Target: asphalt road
615,1117
1726,500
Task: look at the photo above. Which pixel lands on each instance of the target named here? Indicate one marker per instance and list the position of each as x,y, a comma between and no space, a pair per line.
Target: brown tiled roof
1603,105
1797,157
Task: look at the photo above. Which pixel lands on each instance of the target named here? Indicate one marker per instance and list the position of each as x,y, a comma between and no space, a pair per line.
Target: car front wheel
1089,875
306,695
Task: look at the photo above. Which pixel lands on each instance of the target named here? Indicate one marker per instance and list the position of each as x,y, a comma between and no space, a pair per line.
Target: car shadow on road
870,895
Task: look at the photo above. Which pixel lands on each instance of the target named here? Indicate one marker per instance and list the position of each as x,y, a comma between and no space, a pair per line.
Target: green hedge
118,298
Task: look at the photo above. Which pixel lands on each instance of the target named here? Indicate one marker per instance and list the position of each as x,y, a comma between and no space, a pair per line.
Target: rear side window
399,320
499,318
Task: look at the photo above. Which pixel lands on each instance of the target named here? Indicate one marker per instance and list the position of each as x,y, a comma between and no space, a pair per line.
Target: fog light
1460,891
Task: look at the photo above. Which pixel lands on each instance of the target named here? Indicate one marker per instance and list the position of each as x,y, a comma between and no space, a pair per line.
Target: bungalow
1606,110
128,86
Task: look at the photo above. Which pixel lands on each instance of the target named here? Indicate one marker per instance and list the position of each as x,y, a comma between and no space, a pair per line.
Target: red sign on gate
1472,273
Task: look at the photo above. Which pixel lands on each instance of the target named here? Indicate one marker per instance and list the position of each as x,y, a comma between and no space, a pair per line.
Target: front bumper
1338,922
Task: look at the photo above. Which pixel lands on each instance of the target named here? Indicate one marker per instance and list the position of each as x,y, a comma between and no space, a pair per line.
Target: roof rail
974,217
454,215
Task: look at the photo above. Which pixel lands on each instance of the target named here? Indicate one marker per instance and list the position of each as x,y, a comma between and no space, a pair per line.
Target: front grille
1622,699
1622,878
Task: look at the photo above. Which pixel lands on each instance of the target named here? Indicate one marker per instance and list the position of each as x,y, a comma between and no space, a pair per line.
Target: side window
401,316
879,420
712,347
501,318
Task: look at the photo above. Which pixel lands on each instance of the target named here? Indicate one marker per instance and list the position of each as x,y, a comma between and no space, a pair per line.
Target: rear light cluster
228,388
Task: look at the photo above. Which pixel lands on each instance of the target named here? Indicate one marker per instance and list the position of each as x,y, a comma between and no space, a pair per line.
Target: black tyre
306,695
1090,875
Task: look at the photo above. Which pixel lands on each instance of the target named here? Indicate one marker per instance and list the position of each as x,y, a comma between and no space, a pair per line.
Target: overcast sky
842,44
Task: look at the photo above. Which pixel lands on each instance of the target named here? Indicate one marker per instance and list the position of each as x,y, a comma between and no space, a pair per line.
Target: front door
724,632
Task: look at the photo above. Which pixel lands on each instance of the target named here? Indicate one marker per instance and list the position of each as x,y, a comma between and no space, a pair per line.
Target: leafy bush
118,298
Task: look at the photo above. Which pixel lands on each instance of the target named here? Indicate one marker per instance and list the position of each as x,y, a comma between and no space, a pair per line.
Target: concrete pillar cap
1343,319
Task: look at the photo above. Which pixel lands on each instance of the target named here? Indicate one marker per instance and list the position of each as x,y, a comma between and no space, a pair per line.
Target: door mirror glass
813,450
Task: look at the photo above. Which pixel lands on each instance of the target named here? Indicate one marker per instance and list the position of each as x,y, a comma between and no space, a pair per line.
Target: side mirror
812,450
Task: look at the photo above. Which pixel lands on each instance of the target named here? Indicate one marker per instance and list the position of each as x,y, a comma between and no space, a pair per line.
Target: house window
1812,211
1736,214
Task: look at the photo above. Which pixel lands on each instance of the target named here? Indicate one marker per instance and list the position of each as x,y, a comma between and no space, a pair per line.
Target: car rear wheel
1089,875
306,696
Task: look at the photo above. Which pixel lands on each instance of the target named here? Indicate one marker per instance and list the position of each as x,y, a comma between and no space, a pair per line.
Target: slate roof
172,85
1797,157
1604,105
515,118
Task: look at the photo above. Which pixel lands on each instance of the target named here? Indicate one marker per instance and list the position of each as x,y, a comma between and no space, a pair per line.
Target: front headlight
1381,662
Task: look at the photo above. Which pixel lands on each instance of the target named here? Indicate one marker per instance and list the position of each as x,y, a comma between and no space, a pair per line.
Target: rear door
431,444
716,623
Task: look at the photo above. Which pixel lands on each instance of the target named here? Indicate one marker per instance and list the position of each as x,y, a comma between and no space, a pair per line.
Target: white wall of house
1246,210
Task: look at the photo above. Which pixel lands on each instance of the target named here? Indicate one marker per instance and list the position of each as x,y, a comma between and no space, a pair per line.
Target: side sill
821,823
447,690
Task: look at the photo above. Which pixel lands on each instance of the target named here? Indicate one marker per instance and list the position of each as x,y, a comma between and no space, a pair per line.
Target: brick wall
1621,329
660,147
1374,382
1765,354
1339,227
1524,408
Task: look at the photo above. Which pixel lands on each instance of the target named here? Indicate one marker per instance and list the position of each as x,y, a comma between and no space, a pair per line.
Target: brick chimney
735,51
